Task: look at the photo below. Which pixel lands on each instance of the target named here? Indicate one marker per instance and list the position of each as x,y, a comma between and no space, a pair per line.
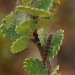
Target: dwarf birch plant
22,26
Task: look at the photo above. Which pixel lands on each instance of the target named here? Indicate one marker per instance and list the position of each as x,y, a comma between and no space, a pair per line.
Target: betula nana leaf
26,28
42,36
44,4
56,43
20,44
10,32
34,11
10,22
35,67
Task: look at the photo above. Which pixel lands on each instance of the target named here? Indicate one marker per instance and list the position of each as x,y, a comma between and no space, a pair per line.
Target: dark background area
12,64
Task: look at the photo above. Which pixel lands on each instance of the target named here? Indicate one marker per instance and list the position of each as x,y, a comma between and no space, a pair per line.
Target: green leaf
20,44
26,28
10,32
42,36
35,67
56,43
10,22
55,71
34,11
44,4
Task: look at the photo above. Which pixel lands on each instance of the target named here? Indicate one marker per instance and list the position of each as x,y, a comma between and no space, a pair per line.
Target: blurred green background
12,64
